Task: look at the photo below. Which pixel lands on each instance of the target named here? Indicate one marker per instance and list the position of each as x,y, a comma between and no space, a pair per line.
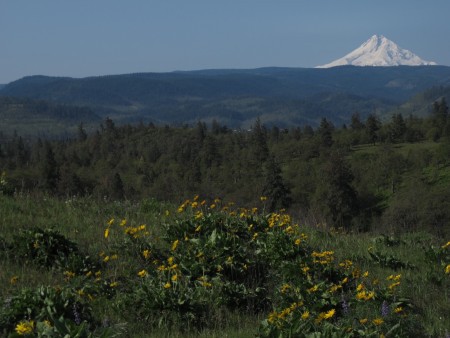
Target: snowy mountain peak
379,51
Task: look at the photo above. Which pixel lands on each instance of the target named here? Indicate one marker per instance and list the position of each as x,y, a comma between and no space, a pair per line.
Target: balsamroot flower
25,327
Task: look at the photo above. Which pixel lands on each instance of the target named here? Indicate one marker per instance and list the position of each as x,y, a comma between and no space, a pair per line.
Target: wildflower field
88,268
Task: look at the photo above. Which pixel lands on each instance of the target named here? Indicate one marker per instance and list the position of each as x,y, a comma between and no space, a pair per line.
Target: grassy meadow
84,267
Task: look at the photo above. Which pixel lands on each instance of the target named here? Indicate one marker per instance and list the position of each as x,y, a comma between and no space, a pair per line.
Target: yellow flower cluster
365,295
137,231
325,315
273,316
284,288
301,239
279,220
395,279
325,257
25,327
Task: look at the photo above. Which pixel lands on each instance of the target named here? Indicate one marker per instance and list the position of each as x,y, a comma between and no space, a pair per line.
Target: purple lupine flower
385,310
76,314
345,306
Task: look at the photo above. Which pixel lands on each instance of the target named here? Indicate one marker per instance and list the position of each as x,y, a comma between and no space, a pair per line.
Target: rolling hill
281,96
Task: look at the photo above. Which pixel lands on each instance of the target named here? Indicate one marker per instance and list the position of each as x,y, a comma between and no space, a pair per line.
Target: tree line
351,176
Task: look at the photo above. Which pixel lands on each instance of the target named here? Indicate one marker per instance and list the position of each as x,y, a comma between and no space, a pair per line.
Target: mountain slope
39,118
379,51
284,96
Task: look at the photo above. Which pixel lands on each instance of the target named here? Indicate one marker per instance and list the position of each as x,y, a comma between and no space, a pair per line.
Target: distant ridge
379,51
284,97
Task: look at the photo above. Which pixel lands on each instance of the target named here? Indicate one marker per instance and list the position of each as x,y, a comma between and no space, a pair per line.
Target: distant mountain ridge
379,51
279,96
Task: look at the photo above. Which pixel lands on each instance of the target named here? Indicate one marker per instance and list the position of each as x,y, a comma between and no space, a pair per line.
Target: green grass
84,220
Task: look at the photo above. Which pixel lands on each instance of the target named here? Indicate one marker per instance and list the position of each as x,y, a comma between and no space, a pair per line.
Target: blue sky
97,37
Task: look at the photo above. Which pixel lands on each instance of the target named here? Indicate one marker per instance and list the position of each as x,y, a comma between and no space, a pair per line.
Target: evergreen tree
117,189
49,172
397,128
277,193
336,195
259,143
372,126
356,123
326,133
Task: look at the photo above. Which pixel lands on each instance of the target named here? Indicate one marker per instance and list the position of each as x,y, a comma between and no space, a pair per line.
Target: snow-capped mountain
379,51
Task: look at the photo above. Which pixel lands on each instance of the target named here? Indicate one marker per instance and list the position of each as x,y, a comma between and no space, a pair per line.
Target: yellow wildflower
142,273
284,288
174,278
366,274
14,280
123,222
113,284
446,245
106,259
111,221
106,232
346,264
263,198
25,327
360,287
398,309
114,257
329,314
272,317
334,288
363,321
167,285
393,285
175,244
69,274
170,260
305,315
197,229
394,277
313,289
146,253
447,269
378,321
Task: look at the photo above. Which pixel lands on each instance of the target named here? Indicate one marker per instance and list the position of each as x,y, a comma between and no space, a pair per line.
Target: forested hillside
283,97
38,118
369,174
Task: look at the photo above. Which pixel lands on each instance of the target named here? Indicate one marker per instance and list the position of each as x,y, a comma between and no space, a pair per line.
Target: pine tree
276,191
